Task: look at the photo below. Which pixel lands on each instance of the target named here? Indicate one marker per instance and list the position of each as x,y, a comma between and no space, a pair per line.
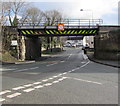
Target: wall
107,43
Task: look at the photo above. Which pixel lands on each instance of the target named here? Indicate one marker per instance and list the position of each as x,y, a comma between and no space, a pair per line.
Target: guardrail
68,23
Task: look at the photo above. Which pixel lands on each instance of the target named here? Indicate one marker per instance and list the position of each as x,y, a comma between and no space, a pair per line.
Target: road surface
67,78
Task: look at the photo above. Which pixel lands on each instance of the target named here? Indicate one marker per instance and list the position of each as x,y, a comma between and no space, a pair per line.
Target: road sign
61,27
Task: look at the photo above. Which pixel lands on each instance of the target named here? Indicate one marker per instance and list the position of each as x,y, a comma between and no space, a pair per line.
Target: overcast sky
98,9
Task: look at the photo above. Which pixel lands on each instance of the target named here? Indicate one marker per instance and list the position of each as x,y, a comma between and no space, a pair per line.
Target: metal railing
68,23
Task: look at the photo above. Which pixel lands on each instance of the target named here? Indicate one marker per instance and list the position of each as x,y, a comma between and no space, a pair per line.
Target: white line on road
21,70
51,64
55,82
86,80
29,90
39,86
1,99
4,92
59,74
55,76
37,83
64,73
34,68
48,84
45,80
28,85
51,78
14,95
26,69
62,61
85,64
17,88
69,56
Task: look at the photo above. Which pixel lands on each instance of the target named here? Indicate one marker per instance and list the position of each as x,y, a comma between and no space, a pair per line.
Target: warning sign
61,27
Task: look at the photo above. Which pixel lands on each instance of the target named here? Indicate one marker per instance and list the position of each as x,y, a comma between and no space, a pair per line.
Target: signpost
61,27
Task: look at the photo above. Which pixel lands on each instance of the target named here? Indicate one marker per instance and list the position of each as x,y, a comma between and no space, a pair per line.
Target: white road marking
55,82
45,80
17,88
28,85
51,78
4,92
51,64
1,99
55,76
85,64
59,74
14,95
69,56
60,79
62,61
64,73
37,83
84,56
39,86
86,80
64,77
34,68
32,73
21,70
29,90
48,84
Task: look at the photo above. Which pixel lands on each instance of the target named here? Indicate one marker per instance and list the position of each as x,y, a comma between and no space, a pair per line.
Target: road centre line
28,85
62,61
26,69
14,95
1,99
18,88
34,68
29,90
21,70
4,92
51,64
48,84
45,80
85,64
39,86
69,56
37,83
55,76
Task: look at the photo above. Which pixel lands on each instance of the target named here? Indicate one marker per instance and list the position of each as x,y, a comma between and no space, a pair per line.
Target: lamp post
91,13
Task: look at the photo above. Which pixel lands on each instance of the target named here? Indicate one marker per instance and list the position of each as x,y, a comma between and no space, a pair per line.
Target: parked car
67,45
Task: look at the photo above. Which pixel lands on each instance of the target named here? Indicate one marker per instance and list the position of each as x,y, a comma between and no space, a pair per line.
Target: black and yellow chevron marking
56,32
31,32
82,31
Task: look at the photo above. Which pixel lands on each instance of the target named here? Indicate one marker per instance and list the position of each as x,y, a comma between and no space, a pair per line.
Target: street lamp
91,13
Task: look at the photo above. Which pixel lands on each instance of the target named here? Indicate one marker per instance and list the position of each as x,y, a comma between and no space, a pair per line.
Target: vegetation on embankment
7,57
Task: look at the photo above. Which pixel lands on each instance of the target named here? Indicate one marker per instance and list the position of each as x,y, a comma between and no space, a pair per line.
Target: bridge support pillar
33,48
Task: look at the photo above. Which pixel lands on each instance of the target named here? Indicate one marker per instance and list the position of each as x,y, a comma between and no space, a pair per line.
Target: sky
107,10
92,9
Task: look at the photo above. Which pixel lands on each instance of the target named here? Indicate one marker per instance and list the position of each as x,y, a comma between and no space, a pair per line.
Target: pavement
104,62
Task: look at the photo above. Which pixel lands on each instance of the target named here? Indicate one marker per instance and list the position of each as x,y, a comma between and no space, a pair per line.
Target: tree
51,18
32,16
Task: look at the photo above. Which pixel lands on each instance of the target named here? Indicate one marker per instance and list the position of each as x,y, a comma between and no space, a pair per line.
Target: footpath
24,62
104,62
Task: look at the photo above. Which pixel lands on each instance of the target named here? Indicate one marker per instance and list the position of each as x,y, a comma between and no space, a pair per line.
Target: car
67,45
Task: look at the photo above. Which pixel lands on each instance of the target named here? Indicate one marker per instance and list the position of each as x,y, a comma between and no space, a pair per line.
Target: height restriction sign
61,27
